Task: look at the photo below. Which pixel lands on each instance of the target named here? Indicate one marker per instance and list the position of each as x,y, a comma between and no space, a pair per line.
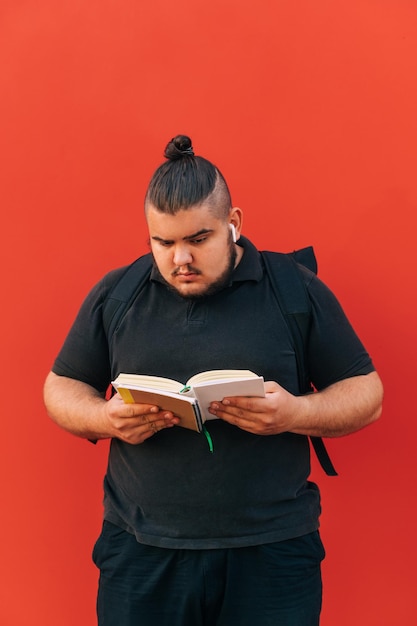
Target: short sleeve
84,355
335,351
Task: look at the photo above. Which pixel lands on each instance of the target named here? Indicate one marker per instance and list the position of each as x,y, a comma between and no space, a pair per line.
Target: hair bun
179,147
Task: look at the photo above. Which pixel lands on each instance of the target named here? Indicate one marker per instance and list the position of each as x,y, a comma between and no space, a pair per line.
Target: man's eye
198,240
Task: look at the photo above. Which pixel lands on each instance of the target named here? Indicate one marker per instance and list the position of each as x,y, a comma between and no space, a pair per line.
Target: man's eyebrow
202,231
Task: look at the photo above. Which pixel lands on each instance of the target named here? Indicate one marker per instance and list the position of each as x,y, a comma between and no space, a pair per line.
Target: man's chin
191,290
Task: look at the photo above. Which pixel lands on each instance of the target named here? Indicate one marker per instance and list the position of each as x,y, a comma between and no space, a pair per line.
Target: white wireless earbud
233,229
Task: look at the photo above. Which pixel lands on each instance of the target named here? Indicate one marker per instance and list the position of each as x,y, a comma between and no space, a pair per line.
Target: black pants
276,584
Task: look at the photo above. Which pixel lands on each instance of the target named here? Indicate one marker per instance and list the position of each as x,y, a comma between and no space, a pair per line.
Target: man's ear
235,221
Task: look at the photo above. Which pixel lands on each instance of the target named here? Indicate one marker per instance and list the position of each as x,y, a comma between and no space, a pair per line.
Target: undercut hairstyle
186,180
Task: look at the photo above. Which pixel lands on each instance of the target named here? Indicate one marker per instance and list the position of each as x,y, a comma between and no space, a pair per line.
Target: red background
309,109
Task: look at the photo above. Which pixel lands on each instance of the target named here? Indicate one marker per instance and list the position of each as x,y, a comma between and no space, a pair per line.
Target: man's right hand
84,412
134,423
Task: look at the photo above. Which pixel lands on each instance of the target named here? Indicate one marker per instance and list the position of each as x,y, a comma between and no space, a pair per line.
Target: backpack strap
292,297
124,292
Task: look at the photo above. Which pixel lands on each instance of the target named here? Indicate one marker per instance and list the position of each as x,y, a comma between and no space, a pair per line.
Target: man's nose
182,255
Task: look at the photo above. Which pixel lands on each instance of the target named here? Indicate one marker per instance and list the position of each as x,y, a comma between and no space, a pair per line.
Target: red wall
309,108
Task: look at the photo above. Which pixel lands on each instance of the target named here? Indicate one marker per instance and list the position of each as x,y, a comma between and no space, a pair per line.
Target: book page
220,375
207,393
148,382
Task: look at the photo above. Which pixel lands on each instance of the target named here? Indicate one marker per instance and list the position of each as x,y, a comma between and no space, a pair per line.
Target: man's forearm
75,406
341,409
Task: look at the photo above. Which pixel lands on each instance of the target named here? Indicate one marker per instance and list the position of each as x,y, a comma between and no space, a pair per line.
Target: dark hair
186,180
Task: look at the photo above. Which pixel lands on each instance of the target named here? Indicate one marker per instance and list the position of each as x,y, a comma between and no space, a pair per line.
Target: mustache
189,268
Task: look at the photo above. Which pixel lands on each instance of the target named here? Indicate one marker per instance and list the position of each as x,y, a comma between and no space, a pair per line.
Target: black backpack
290,293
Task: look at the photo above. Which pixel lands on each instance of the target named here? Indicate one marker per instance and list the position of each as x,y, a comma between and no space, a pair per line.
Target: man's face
193,249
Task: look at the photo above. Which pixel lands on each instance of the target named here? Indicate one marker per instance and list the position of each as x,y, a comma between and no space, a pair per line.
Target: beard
221,282
218,285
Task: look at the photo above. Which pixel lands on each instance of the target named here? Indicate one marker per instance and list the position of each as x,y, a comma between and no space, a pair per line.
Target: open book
189,401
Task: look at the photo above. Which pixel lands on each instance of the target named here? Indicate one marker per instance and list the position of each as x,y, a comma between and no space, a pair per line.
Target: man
189,537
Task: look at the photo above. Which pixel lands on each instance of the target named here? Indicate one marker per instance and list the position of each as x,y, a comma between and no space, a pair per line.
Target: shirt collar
250,266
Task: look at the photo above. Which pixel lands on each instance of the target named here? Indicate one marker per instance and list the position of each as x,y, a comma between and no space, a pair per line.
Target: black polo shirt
171,491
